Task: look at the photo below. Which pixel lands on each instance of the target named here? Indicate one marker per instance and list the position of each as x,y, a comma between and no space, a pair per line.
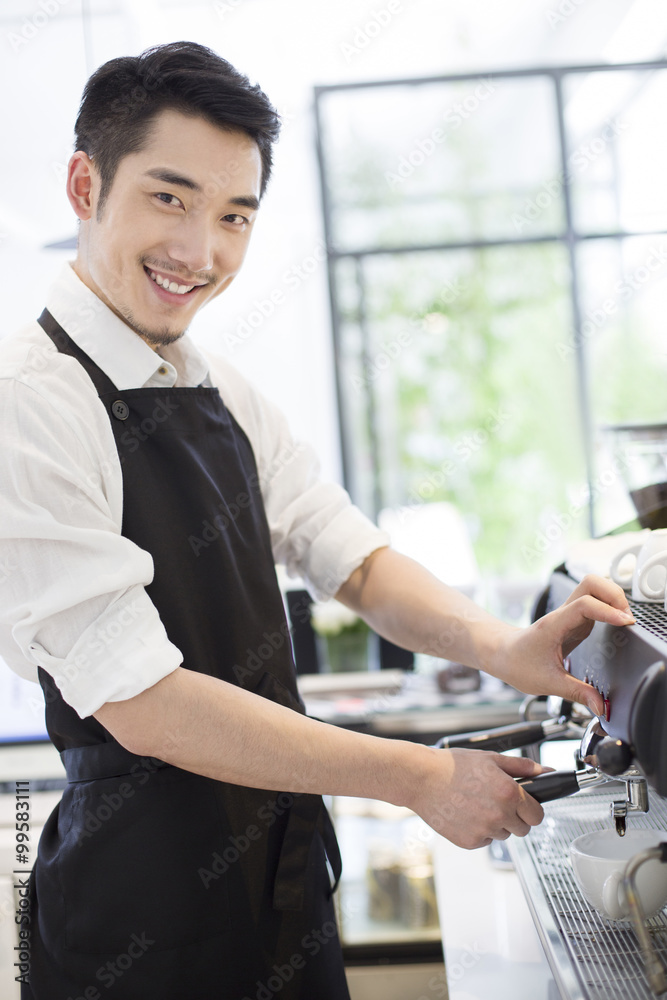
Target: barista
146,493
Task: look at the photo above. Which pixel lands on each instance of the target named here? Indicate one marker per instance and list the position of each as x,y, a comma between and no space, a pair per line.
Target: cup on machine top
642,567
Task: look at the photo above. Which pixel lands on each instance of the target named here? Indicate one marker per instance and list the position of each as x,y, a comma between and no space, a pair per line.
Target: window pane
434,163
624,300
469,373
617,150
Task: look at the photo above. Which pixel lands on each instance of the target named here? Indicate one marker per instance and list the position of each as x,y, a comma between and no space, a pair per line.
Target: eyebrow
178,180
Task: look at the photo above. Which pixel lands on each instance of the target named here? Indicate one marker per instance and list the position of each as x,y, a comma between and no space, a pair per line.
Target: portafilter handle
517,734
558,784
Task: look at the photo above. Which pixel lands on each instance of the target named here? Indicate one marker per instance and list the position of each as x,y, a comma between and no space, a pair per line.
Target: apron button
120,409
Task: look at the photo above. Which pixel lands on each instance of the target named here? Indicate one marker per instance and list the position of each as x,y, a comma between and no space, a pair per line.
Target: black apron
152,881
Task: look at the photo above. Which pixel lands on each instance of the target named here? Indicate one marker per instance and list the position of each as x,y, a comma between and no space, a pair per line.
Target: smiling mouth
169,287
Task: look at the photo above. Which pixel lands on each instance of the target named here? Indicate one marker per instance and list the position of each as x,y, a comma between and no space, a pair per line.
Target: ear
80,184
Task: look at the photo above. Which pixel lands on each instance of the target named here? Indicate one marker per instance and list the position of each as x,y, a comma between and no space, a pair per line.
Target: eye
237,220
162,195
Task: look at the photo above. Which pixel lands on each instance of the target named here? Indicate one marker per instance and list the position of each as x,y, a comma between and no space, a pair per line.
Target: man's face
180,211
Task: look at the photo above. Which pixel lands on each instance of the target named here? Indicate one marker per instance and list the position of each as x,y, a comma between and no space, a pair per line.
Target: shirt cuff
124,652
339,549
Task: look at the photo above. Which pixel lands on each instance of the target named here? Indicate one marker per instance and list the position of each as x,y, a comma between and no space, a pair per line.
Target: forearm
406,604
213,728
206,725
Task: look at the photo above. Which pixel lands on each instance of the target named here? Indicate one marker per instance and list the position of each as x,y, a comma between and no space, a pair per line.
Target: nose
192,246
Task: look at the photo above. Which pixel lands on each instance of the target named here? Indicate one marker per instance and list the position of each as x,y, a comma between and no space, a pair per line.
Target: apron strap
307,814
105,760
328,834
66,345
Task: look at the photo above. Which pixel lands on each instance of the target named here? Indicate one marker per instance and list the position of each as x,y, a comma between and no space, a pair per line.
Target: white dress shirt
72,588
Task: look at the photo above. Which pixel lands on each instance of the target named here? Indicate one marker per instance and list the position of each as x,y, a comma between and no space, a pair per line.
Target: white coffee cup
599,861
652,577
648,578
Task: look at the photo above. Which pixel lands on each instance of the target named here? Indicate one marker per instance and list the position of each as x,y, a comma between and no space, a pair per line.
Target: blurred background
467,224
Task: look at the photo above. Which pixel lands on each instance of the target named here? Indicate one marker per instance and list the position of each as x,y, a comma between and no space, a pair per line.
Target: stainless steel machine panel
591,957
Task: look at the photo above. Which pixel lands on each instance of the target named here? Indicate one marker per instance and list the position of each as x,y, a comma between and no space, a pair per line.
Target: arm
214,728
406,604
72,587
208,726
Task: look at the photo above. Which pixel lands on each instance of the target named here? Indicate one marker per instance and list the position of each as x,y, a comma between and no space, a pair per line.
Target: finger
529,810
518,827
571,688
604,591
519,767
602,587
584,694
590,608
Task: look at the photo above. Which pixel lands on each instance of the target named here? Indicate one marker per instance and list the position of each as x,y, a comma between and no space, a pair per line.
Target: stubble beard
155,338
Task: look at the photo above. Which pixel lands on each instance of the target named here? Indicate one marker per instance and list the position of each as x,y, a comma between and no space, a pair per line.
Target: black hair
122,98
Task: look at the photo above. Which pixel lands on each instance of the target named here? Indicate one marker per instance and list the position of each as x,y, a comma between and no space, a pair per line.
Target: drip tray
591,958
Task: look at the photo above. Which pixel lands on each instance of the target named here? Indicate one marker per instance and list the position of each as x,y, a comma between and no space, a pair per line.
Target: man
146,496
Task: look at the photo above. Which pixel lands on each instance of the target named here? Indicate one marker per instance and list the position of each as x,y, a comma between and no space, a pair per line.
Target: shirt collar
108,341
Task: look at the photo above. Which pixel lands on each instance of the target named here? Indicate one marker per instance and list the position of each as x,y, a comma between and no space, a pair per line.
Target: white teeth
171,286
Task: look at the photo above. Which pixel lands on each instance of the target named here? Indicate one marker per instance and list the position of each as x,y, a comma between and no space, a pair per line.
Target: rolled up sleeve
72,587
316,531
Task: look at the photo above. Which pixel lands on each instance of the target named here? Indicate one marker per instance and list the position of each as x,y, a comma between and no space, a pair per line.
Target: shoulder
35,376
29,356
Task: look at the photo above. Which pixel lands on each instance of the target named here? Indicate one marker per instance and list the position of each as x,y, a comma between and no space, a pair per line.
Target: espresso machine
620,771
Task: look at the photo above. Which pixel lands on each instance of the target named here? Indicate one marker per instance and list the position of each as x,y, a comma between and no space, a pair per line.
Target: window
497,252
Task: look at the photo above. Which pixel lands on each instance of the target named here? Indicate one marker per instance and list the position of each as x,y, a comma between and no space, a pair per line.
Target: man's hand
470,796
533,657
406,604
